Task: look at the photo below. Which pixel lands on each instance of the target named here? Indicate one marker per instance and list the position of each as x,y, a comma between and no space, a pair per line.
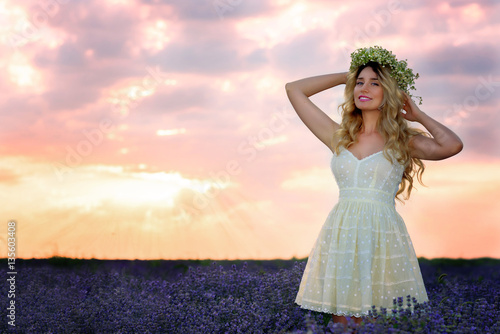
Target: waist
366,195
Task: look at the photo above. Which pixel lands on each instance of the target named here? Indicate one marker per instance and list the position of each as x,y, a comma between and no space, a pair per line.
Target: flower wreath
399,69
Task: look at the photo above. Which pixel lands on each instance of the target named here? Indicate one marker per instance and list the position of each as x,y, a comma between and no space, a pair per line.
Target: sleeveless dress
363,255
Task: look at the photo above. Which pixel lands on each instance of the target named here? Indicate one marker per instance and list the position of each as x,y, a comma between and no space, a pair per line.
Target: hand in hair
413,113
443,144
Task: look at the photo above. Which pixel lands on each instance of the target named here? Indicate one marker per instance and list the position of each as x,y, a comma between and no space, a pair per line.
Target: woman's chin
366,108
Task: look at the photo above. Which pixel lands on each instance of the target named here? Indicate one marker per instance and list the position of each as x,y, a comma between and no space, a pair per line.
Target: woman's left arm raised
443,144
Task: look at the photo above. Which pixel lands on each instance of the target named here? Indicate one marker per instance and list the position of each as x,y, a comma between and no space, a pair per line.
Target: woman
363,255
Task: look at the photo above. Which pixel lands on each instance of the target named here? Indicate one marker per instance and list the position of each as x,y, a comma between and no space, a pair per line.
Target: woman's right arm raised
320,124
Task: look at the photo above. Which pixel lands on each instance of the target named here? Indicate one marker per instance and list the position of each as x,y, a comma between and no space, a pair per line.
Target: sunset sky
161,129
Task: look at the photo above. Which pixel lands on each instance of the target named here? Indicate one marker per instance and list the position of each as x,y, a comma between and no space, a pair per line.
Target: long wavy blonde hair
391,125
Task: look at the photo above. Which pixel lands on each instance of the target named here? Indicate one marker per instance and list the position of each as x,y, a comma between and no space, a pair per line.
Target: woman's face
368,92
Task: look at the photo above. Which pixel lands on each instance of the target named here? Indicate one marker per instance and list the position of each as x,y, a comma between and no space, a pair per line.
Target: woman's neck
370,119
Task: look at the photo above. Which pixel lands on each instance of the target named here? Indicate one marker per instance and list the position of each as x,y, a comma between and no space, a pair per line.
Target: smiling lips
363,98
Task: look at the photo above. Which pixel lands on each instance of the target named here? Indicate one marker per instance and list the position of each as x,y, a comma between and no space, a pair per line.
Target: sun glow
21,72
472,13
14,27
170,132
156,35
100,185
118,185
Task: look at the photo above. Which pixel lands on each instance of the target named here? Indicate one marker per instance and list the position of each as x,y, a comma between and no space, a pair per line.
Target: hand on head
412,112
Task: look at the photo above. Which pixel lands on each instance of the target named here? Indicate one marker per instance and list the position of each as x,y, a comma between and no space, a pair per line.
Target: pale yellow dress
363,255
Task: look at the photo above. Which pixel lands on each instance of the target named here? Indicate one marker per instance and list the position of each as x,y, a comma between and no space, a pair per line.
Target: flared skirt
363,257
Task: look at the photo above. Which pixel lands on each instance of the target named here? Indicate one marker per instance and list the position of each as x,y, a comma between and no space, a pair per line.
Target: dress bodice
373,178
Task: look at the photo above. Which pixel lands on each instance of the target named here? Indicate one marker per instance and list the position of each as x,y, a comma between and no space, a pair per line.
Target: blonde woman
363,255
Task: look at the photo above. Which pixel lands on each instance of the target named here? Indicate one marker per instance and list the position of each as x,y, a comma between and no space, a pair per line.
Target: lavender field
62,295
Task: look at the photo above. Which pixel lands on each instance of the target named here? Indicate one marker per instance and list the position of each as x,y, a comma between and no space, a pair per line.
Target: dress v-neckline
368,156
